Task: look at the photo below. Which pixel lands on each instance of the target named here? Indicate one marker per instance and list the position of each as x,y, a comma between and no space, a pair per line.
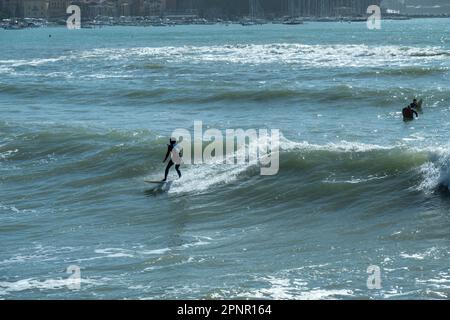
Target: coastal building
394,6
189,6
107,8
35,8
2,9
154,7
229,9
170,5
57,8
123,8
136,7
329,8
13,8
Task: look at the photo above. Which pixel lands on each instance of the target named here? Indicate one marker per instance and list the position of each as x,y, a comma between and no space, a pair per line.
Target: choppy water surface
85,117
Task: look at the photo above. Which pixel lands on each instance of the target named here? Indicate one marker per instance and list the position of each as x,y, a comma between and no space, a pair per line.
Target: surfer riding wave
175,151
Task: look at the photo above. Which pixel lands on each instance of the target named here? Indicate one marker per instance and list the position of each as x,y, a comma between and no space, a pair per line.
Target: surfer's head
173,140
415,100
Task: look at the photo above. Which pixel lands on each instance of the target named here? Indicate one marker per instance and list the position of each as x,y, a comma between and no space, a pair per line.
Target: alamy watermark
374,278
374,20
73,282
233,146
74,21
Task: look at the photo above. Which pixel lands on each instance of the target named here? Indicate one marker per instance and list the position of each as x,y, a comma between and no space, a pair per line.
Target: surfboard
419,105
157,187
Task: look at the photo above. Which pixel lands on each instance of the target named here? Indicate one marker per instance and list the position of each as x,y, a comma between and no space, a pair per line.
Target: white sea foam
140,253
431,176
342,146
39,253
198,242
326,56
6,70
156,251
47,284
308,55
18,259
108,253
436,171
354,180
115,253
199,178
292,289
9,208
6,154
32,62
430,253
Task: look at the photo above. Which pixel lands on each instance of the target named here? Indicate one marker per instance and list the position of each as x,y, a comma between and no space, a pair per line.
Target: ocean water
85,117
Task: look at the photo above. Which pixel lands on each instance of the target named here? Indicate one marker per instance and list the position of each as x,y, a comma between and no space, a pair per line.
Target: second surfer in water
176,154
408,113
411,110
414,105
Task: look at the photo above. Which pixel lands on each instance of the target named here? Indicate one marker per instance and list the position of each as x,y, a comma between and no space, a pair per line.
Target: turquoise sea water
85,117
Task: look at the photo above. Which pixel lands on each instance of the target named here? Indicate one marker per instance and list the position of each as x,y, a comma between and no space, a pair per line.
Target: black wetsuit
408,113
171,163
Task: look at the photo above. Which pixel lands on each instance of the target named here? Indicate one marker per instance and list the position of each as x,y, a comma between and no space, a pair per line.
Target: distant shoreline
28,23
